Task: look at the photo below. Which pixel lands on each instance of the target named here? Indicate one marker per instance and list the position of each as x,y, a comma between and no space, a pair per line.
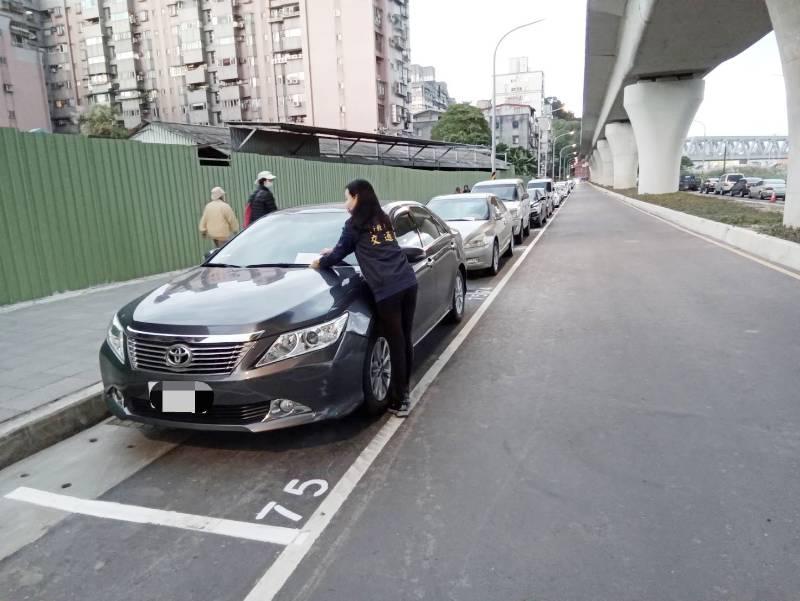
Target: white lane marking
287,513
735,251
159,517
270,584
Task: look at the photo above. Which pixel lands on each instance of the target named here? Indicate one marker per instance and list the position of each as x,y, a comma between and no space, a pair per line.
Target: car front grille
206,359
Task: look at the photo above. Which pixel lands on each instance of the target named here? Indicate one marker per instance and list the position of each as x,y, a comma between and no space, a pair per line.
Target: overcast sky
458,37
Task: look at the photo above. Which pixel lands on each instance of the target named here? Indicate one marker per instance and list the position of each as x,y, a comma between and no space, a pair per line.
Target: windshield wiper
219,265
282,265
463,219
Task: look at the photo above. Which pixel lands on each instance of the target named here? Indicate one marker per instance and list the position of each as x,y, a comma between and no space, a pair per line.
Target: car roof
514,180
470,195
331,207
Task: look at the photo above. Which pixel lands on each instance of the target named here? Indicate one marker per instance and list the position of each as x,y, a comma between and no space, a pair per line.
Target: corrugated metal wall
77,212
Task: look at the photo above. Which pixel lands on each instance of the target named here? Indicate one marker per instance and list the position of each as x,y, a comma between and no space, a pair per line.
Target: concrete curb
40,428
774,250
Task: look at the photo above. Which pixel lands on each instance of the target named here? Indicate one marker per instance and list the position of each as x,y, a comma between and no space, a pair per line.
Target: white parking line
270,584
159,517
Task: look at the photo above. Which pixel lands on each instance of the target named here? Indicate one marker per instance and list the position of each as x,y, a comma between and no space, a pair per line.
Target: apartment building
515,124
428,94
330,63
23,99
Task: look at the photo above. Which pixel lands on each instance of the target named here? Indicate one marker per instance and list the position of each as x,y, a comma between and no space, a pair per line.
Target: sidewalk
48,349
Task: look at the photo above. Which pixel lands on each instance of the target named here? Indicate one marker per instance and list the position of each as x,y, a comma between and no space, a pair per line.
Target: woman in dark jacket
388,274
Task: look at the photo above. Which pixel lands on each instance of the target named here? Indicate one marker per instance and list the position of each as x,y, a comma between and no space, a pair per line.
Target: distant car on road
726,182
742,187
485,225
561,193
709,185
546,185
513,194
688,182
540,207
763,188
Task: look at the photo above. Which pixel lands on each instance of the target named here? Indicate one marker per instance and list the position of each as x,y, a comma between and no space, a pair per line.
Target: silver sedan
485,225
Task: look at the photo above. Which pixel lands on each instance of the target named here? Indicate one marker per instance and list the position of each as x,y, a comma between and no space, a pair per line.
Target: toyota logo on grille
179,355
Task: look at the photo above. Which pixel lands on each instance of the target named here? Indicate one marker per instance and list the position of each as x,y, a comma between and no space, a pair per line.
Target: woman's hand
314,264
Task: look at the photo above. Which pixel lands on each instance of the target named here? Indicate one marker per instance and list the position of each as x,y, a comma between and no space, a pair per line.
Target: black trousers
396,319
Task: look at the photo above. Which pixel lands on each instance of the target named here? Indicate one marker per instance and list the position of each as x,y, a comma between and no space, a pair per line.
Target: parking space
181,515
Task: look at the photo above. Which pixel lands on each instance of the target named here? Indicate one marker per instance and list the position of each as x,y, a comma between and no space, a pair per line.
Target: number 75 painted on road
294,488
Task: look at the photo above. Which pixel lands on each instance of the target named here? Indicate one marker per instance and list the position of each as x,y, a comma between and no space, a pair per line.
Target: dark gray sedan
255,340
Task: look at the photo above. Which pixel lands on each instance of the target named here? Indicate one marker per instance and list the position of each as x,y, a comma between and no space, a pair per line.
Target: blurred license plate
180,397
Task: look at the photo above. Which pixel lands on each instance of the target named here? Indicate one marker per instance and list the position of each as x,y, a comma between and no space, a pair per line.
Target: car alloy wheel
496,258
380,369
459,292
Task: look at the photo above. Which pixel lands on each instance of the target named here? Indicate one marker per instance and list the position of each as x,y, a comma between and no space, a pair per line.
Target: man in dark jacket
262,201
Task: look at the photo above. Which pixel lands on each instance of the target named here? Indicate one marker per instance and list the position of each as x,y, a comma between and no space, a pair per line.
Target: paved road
621,424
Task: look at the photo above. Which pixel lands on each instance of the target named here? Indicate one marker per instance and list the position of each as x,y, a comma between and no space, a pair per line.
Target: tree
522,159
686,163
462,124
102,121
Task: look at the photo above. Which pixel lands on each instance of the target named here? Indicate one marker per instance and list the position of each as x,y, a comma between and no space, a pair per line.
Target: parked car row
736,184
253,340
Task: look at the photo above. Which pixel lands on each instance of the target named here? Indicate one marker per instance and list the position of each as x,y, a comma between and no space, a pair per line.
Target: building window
515,124
515,140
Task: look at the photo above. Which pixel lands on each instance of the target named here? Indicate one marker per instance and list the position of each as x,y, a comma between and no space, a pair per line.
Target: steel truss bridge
715,148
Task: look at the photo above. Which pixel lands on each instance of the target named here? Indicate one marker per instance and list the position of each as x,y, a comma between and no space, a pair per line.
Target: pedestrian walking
466,189
458,189
218,221
262,200
369,233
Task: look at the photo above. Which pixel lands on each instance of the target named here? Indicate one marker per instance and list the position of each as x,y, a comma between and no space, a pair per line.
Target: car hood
469,229
216,300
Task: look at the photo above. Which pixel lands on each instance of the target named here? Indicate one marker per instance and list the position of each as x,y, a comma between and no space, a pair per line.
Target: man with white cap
262,201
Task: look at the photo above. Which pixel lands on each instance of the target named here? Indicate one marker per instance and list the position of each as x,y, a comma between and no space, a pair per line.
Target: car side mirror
414,254
526,196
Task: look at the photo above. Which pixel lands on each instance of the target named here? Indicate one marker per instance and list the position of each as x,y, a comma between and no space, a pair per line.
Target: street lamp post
569,133
560,158
494,88
561,163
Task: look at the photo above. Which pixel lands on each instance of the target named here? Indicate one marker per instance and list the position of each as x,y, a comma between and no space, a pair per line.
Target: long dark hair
368,210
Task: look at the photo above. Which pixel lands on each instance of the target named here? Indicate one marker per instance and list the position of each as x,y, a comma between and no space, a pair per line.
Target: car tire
510,250
528,228
541,220
458,301
495,267
377,376
518,238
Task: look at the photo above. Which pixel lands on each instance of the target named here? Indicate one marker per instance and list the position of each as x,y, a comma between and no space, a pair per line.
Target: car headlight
300,342
116,339
476,243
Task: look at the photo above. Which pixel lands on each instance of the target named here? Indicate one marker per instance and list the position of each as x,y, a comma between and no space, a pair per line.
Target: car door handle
452,244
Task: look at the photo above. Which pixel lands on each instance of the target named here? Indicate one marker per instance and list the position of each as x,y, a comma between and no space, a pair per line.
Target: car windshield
734,178
539,185
284,239
774,182
502,191
460,209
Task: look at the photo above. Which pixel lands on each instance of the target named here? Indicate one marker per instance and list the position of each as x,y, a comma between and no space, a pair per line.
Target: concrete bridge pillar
597,168
785,16
607,161
661,113
623,154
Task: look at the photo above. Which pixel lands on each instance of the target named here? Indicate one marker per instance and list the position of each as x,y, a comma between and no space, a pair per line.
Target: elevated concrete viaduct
645,64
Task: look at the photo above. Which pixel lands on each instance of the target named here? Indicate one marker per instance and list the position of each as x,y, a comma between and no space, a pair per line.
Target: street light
494,87
569,133
547,154
560,156
561,162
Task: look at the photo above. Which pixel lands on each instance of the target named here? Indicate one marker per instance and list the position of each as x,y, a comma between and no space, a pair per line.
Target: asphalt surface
621,424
